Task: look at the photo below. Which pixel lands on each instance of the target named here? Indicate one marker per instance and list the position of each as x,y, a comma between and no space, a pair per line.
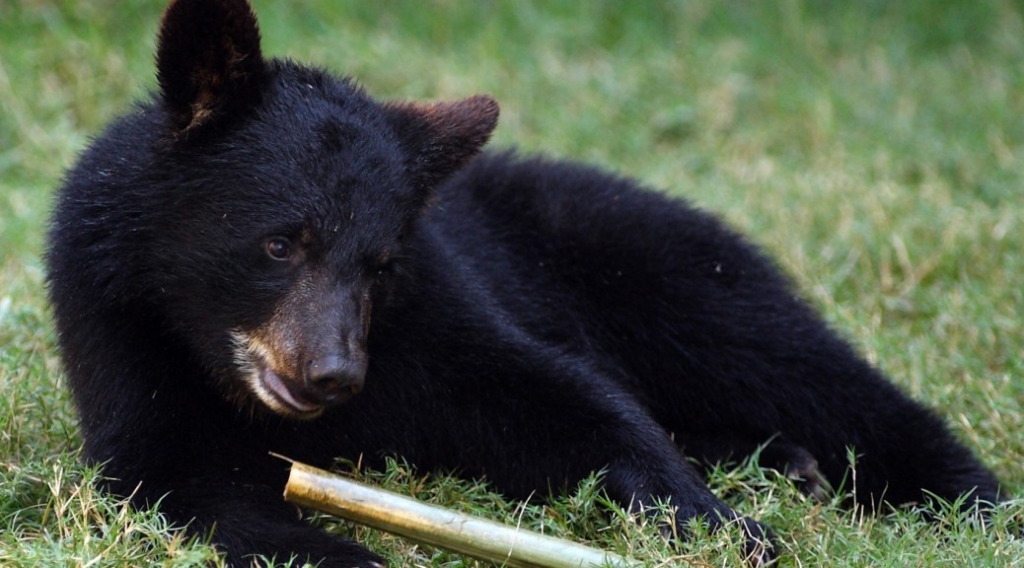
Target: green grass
876,148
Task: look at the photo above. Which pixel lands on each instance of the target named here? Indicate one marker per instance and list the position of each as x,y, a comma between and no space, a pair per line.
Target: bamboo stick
428,524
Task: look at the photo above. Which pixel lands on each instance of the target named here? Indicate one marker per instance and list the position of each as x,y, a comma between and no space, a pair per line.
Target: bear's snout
335,378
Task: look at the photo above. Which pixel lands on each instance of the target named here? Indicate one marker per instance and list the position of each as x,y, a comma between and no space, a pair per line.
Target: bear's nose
334,377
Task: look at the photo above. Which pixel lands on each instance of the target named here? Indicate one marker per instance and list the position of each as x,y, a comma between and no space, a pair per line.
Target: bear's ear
208,60
441,137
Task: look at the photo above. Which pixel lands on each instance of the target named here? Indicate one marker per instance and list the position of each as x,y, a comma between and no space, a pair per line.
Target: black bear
262,241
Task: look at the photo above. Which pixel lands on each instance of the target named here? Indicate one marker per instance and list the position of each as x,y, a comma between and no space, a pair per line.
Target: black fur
261,240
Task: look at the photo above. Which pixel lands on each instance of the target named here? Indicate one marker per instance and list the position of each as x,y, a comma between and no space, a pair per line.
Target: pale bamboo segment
428,524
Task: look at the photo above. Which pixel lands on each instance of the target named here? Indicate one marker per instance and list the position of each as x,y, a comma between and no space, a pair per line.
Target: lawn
875,148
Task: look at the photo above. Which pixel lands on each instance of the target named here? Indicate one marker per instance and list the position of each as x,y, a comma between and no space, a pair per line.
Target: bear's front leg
661,472
249,523
532,419
207,468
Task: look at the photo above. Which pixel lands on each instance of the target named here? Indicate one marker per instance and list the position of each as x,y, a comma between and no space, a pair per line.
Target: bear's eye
383,263
279,248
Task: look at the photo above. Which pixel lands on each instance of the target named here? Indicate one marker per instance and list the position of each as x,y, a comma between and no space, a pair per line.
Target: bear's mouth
253,360
272,384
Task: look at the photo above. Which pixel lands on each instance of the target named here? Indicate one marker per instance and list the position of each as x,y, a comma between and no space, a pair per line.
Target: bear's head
256,208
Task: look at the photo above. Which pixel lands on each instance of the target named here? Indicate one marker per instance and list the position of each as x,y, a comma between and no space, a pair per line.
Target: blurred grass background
876,148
